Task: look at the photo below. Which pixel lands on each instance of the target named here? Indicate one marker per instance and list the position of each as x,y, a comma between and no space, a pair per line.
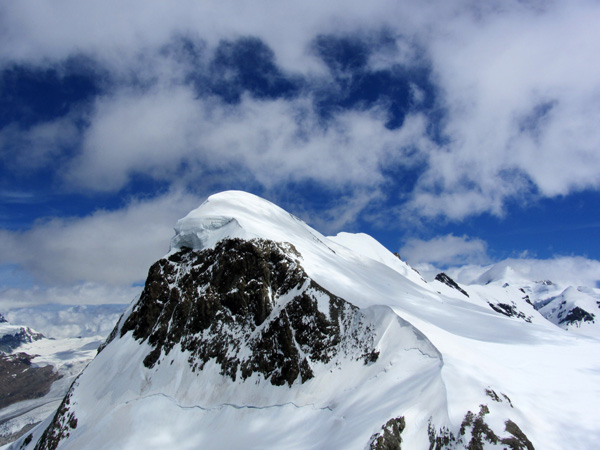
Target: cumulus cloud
67,321
522,97
466,261
35,146
132,133
117,31
516,96
445,250
276,141
502,103
113,247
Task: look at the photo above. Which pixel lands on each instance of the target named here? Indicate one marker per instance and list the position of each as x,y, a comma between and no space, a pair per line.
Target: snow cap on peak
236,214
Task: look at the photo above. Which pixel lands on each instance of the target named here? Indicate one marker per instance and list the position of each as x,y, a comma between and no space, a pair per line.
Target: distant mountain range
515,294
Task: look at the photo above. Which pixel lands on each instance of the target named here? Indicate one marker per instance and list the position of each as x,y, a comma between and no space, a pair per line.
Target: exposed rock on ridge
250,306
443,278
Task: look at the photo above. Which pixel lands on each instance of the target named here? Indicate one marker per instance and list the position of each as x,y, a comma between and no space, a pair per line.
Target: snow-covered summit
237,214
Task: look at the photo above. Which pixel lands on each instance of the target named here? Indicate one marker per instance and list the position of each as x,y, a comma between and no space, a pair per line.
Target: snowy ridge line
231,405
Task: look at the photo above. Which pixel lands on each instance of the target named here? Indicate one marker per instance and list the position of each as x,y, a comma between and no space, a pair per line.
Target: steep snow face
355,268
365,245
219,339
235,214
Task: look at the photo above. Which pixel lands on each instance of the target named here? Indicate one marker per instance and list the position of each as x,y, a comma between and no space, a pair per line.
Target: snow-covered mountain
256,331
12,336
515,292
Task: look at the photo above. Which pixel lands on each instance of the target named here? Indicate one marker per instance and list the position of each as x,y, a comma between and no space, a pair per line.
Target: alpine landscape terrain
256,331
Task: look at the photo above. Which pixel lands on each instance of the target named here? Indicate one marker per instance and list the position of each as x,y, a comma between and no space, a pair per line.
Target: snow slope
440,355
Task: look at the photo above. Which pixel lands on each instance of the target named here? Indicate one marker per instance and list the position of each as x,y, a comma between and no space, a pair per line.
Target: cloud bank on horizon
423,113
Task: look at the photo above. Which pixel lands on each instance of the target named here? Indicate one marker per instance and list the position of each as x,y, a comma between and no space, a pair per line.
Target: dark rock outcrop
510,310
476,434
389,438
577,315
62,423
443,278
246,295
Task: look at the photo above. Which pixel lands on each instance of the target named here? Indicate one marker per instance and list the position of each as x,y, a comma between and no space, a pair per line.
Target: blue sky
452,132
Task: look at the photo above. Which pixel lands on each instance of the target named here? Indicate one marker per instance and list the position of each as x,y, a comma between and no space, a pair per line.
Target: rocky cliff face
250,306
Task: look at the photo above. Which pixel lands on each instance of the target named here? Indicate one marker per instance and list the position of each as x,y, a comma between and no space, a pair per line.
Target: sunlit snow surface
439,351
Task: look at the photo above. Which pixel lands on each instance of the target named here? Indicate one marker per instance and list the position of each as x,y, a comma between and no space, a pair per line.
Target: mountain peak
236,214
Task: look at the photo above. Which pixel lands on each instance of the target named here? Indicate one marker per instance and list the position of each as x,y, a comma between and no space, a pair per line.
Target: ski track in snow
231,405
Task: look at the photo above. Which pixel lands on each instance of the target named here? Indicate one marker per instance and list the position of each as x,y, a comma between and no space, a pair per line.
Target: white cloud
155,132
73,294
518,82
522,95
114,247
116,31
465,260
444,251
136,133
35,146
66,321
342,214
